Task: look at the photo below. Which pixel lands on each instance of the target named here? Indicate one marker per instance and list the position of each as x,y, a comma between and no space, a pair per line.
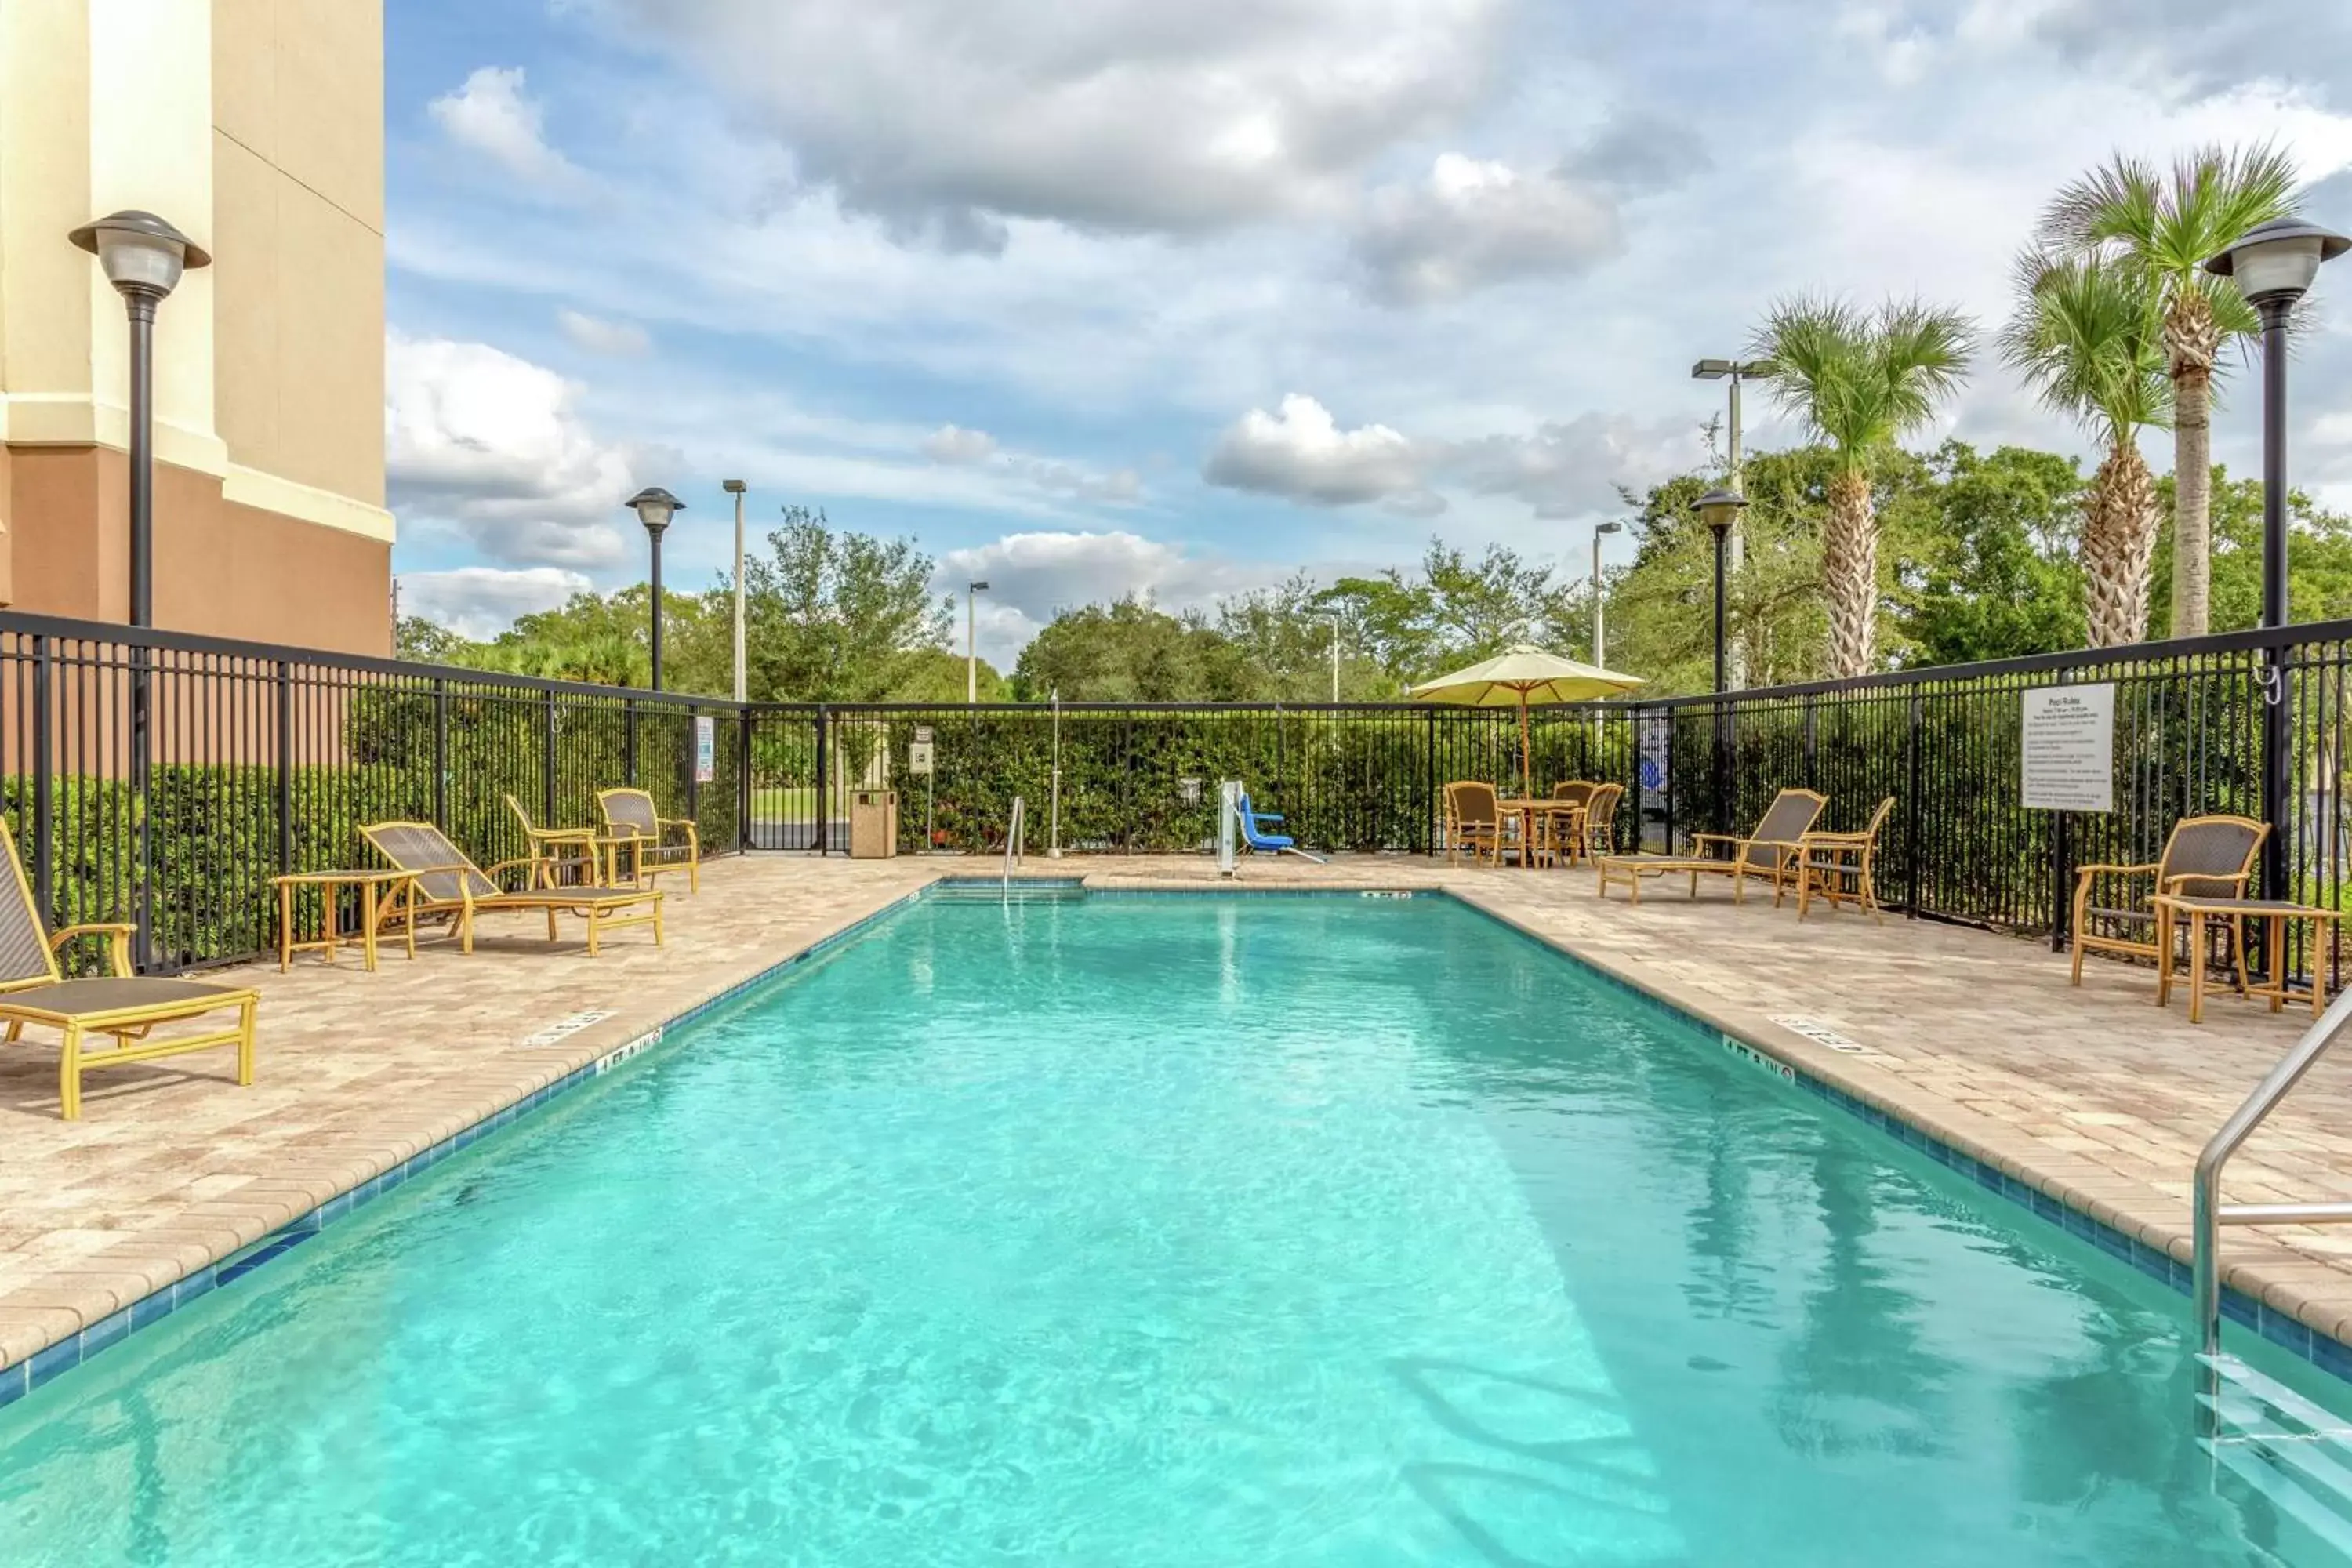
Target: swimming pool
1175,1230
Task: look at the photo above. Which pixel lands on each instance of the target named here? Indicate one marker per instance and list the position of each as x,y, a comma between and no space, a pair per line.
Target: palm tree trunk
2192,503
2118,536
1850,571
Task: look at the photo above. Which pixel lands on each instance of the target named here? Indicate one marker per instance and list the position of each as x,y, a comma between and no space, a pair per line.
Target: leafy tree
2319,556
427,642
1285,636
1131,652
2163,229
1459,611
937,675
1860,381
836,616
2002,580
2088,337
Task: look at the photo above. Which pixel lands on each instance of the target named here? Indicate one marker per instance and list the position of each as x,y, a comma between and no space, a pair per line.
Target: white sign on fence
918,757
1657,732
706,748
2070,748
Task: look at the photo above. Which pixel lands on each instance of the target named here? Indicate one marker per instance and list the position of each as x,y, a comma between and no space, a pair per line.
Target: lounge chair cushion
563,897
82,998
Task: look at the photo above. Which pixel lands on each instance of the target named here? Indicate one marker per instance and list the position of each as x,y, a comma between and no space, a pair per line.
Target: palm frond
2168,224
1861,380
2087,336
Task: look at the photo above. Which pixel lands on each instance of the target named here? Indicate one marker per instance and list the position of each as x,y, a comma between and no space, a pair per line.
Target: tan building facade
257,128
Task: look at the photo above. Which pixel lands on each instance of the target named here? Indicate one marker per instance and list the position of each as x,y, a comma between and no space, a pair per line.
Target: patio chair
1474,821
653,849
556,851
1839,864
2206,857
1600,820
122,1007
449,886
1576,792
1265,843
1771,851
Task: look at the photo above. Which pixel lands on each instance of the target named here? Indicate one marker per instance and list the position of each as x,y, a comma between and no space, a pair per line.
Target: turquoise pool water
1193,1232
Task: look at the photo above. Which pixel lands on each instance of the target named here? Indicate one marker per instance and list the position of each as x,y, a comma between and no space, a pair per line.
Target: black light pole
1719,510
143,258
2273,264
655,507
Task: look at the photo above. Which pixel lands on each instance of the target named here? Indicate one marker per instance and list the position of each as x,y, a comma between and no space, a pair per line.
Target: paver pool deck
2094,1095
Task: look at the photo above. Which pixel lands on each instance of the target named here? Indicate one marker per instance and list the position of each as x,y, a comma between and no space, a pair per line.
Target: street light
655,507
1736,371
1719,510
143,258
735,488
2273,264
1600,633
1333,616
972,642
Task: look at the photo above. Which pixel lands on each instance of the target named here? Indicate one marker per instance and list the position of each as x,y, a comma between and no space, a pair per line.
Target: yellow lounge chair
2206,857
122,1006
557,851
1771,851
1839,865
450,886
631,814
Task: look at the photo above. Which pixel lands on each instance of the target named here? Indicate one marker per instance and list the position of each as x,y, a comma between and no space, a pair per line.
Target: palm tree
2088,335
2164,228
1862,382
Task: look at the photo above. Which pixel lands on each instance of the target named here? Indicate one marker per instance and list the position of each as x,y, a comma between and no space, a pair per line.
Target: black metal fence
195,769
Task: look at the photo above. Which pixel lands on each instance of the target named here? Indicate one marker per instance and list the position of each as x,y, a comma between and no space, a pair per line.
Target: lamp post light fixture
143,258
971,592
1600,630
655,507
735,488
2273,265
1735,372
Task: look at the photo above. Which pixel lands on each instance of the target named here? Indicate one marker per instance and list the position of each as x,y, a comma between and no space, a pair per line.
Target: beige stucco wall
256,126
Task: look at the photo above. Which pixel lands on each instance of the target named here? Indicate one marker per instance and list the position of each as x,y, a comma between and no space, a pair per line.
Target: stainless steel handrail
2211,1213
1013,843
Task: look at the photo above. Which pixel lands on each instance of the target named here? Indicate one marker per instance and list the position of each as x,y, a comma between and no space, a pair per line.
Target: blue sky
1126,296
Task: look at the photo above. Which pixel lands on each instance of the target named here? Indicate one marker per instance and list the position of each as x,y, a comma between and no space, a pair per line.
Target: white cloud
954,444
1571,469
621,339
479,602
1472,223
1032,577
1302,455
948,117
492,444
493,115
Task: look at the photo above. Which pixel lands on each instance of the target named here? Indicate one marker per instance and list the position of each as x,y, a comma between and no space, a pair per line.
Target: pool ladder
2292,1451
1013,843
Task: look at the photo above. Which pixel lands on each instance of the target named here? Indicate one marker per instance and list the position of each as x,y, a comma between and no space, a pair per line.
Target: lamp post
2273,265
1333,616
655,507
735,488
143,258
971,592
1600,630
1736,371
1719,510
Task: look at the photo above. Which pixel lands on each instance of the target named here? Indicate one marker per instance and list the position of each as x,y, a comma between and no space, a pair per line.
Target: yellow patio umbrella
1522,676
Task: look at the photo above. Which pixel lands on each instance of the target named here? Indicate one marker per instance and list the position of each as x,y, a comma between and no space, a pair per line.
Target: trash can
874,824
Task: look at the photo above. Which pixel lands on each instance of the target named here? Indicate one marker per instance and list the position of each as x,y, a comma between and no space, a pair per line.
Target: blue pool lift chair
1265,843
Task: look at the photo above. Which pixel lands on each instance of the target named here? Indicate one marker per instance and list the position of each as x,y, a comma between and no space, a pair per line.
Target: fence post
44,824
1429,777
629,742
286,771
441,753
2280,808
1812,743
1916,718
1673,777
693,765
547,757
824,826
743,780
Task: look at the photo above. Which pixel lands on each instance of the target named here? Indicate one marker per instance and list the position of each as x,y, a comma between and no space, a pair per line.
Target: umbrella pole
1526,752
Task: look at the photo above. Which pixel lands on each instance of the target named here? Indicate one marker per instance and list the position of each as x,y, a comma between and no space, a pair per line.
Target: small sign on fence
918,757
706,748
1657,738
922,734
2069,751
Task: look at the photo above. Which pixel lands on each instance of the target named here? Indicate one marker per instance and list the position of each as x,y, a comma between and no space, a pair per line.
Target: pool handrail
2210,1214
1013,843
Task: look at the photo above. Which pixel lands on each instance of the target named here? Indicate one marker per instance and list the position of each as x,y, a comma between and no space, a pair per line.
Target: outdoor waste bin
874,824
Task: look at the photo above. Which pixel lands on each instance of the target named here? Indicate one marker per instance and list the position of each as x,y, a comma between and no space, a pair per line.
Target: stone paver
2094,1095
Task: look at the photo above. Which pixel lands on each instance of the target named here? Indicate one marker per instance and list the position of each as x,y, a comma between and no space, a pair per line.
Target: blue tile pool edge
2285,1330
19,1378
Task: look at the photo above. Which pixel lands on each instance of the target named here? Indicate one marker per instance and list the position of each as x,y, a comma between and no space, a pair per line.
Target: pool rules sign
2070,748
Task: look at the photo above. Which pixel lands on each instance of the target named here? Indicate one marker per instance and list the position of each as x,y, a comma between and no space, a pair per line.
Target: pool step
2294,1453
1018,889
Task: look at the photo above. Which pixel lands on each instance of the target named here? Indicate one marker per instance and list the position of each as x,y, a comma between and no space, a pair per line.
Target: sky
1120,296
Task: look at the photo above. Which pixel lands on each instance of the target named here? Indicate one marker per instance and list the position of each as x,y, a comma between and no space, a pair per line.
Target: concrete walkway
2092,1095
